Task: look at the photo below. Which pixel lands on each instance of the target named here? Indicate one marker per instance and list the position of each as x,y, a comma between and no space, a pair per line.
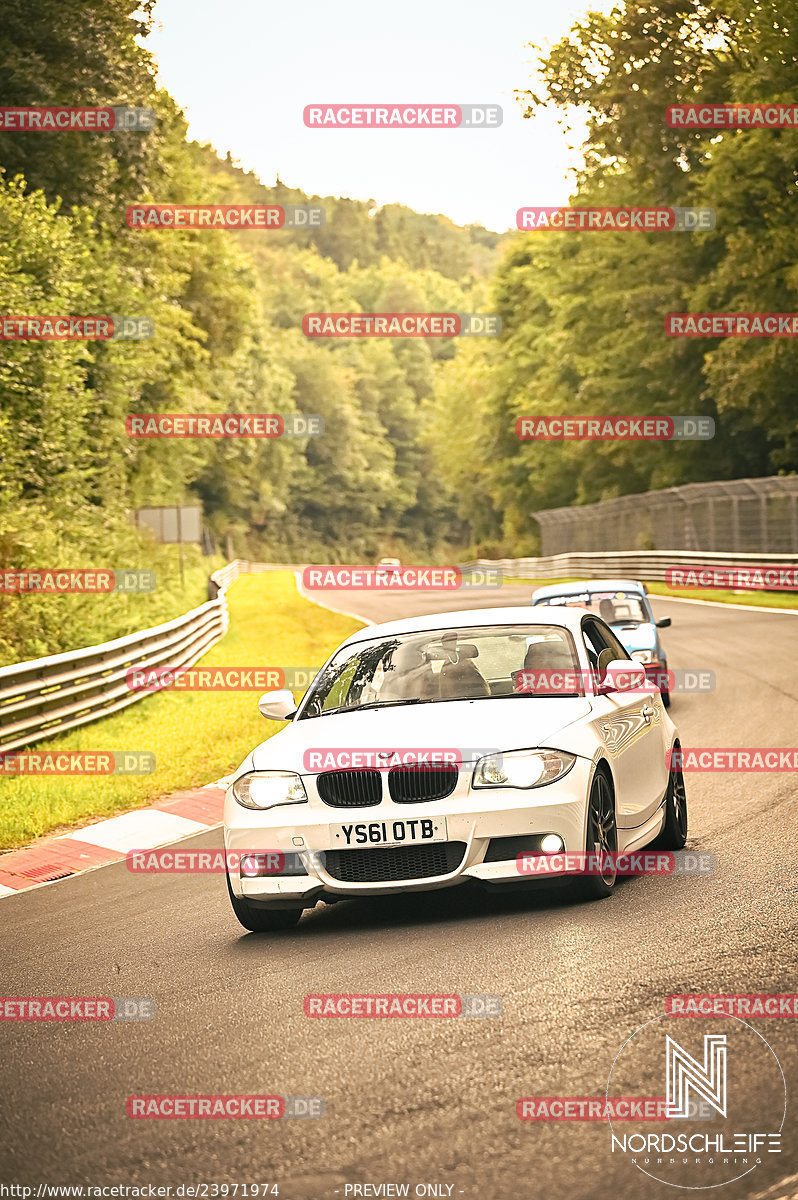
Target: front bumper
472,818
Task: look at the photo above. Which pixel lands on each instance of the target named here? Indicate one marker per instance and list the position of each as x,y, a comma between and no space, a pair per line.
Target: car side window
598,637
616,645
590,644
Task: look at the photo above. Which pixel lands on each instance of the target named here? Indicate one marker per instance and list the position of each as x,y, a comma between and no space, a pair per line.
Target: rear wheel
262,920
602,841
674,831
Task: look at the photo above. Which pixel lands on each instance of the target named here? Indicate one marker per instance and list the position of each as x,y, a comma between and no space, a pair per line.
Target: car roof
568,618
589,585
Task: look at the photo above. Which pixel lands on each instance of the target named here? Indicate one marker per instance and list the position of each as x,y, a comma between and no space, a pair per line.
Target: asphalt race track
414,1101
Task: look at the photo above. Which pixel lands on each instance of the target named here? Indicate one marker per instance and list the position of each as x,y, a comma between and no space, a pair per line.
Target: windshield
447,664
616,608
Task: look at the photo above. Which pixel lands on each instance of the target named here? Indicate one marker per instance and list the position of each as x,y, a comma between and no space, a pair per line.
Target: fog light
267,863
552,843
250,865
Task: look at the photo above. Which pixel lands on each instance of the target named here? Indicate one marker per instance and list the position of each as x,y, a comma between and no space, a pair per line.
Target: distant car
391,565
359,795
624,605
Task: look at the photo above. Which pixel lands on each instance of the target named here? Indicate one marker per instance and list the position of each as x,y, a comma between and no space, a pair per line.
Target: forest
419,458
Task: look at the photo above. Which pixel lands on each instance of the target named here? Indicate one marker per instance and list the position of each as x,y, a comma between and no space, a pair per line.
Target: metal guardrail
624,564
50,695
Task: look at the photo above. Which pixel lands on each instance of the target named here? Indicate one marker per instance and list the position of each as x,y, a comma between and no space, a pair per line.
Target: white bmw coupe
437,750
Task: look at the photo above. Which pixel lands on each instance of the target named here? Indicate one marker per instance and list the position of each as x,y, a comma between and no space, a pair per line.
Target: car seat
410,676
461,678
552,655
607,611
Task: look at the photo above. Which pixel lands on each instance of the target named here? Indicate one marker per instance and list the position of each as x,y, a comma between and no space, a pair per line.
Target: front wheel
602,841
674,831
262,920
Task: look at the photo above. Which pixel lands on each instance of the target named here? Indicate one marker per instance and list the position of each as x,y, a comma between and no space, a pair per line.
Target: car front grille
350,789
386,864
406,785
414,785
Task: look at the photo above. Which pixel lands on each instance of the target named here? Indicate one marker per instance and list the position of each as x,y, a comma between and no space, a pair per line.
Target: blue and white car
624,605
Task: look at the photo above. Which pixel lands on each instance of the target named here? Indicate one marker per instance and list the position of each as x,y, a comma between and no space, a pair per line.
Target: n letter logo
685,1073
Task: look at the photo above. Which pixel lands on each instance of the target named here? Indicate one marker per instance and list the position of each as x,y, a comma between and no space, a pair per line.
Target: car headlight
268,789
522,768
645,656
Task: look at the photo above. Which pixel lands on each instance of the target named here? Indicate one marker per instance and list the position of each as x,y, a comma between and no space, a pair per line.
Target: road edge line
300,587
757,608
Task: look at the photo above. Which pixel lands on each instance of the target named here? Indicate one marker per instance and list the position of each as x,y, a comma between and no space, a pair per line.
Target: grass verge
196,736
757,599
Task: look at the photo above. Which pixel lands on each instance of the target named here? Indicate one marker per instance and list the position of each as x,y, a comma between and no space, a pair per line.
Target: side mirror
624,676
663,624
277,706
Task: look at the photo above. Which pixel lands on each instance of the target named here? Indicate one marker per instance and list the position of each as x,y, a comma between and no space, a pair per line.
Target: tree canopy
420,456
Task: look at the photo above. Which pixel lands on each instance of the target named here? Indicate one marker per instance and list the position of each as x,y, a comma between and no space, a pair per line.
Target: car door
630,725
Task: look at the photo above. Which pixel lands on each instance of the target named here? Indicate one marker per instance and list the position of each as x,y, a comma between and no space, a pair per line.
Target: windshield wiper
546,695
371,704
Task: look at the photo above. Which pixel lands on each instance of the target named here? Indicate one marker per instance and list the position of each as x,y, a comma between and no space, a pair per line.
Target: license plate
389,833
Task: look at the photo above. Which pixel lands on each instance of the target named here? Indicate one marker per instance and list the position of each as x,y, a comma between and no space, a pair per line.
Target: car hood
642,637
472,726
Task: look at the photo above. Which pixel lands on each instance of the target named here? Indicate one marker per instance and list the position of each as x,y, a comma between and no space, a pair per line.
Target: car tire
674,832
602,836
666,699
262,920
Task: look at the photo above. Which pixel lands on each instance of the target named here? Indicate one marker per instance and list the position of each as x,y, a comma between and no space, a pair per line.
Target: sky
243,71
